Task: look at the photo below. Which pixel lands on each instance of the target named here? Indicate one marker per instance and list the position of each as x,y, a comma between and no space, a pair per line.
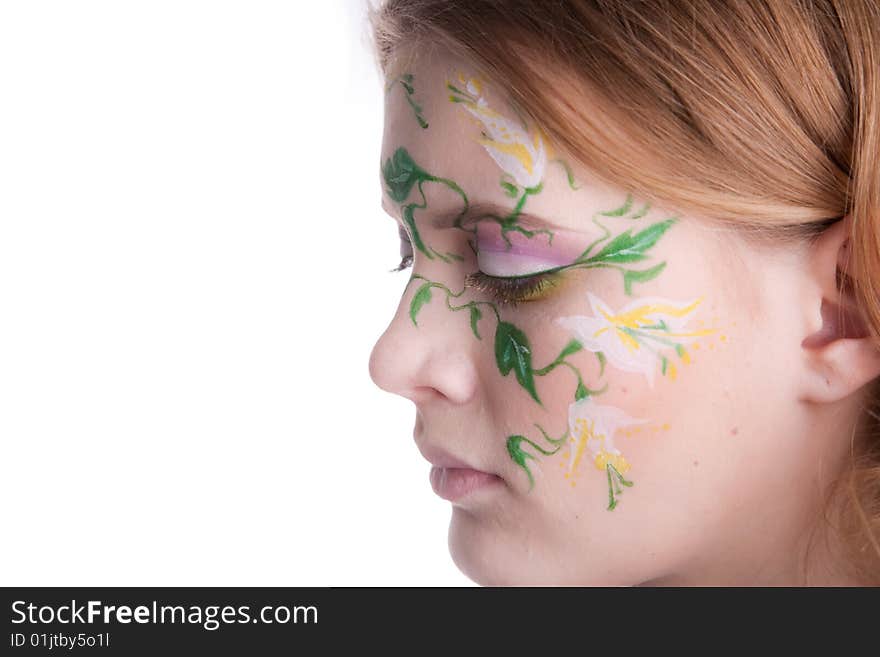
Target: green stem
635,333
520,456
568,173
456,295
617,478
410,220
553,441
605,236
451,184
417,110
581,386
440,255
641,213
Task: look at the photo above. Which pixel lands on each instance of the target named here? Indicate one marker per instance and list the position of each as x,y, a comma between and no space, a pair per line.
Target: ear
841,354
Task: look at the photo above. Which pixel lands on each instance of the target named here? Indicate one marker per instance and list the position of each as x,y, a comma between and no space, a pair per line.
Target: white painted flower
640,336
519,154
591,428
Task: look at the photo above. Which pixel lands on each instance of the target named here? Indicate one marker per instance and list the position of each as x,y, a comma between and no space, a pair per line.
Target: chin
478,550
493,553
487,552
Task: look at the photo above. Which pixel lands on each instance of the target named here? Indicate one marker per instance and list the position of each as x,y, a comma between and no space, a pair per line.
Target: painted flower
519,154
641,337
591,428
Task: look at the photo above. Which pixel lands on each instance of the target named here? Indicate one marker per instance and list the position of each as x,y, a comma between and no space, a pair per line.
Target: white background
193,269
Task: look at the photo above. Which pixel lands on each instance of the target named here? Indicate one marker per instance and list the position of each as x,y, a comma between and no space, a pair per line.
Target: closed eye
513,289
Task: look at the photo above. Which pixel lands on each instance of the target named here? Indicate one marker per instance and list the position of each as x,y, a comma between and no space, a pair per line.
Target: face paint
518,255
641,338
406,81
644,322
401,174
625,247
521,156
515,262
592,428
423,296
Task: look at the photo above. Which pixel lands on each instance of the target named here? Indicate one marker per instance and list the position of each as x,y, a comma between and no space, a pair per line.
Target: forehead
449,144
444,114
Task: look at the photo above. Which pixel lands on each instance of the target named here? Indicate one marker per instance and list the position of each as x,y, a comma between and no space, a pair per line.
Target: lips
454,484
452,478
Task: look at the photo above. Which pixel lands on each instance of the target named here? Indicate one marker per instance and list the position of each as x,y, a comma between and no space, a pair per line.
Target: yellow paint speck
666,426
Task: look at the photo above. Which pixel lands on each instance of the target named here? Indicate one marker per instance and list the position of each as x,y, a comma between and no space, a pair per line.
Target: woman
641,330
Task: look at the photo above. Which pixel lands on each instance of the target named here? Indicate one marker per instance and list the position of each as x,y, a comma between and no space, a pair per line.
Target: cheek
645,393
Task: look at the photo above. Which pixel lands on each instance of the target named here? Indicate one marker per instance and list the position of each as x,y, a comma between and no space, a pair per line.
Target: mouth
454,484
454,479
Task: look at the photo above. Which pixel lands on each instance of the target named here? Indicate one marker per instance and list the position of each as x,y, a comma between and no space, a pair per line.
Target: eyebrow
446,217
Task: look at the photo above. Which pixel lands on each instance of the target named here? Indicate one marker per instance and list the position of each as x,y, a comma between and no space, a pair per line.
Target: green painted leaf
631,276
519,455
622,210
569,174
571,348
510,189
400,173
512,352
559,442
476,316
581,392
627,247
601,358
641,213
421,297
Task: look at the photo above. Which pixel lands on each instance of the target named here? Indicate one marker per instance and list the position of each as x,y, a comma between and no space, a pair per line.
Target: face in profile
602,385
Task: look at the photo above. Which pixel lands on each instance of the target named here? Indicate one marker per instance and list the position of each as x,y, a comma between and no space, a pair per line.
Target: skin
729,470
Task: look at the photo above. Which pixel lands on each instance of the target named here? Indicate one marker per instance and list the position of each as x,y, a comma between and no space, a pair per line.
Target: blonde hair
762,114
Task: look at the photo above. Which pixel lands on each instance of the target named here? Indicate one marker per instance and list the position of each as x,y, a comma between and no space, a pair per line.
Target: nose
431,360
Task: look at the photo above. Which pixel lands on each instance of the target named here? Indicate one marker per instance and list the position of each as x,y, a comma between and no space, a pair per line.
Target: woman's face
602,385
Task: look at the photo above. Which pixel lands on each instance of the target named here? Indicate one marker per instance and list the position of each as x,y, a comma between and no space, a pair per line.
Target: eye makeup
515,255
513,290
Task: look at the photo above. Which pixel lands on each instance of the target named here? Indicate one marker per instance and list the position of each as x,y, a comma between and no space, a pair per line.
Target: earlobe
841,354
840,368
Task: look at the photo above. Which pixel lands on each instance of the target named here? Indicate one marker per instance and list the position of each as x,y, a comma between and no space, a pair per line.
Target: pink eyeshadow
561,252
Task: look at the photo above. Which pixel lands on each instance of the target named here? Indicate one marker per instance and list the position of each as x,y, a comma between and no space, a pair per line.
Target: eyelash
514,289
405,263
